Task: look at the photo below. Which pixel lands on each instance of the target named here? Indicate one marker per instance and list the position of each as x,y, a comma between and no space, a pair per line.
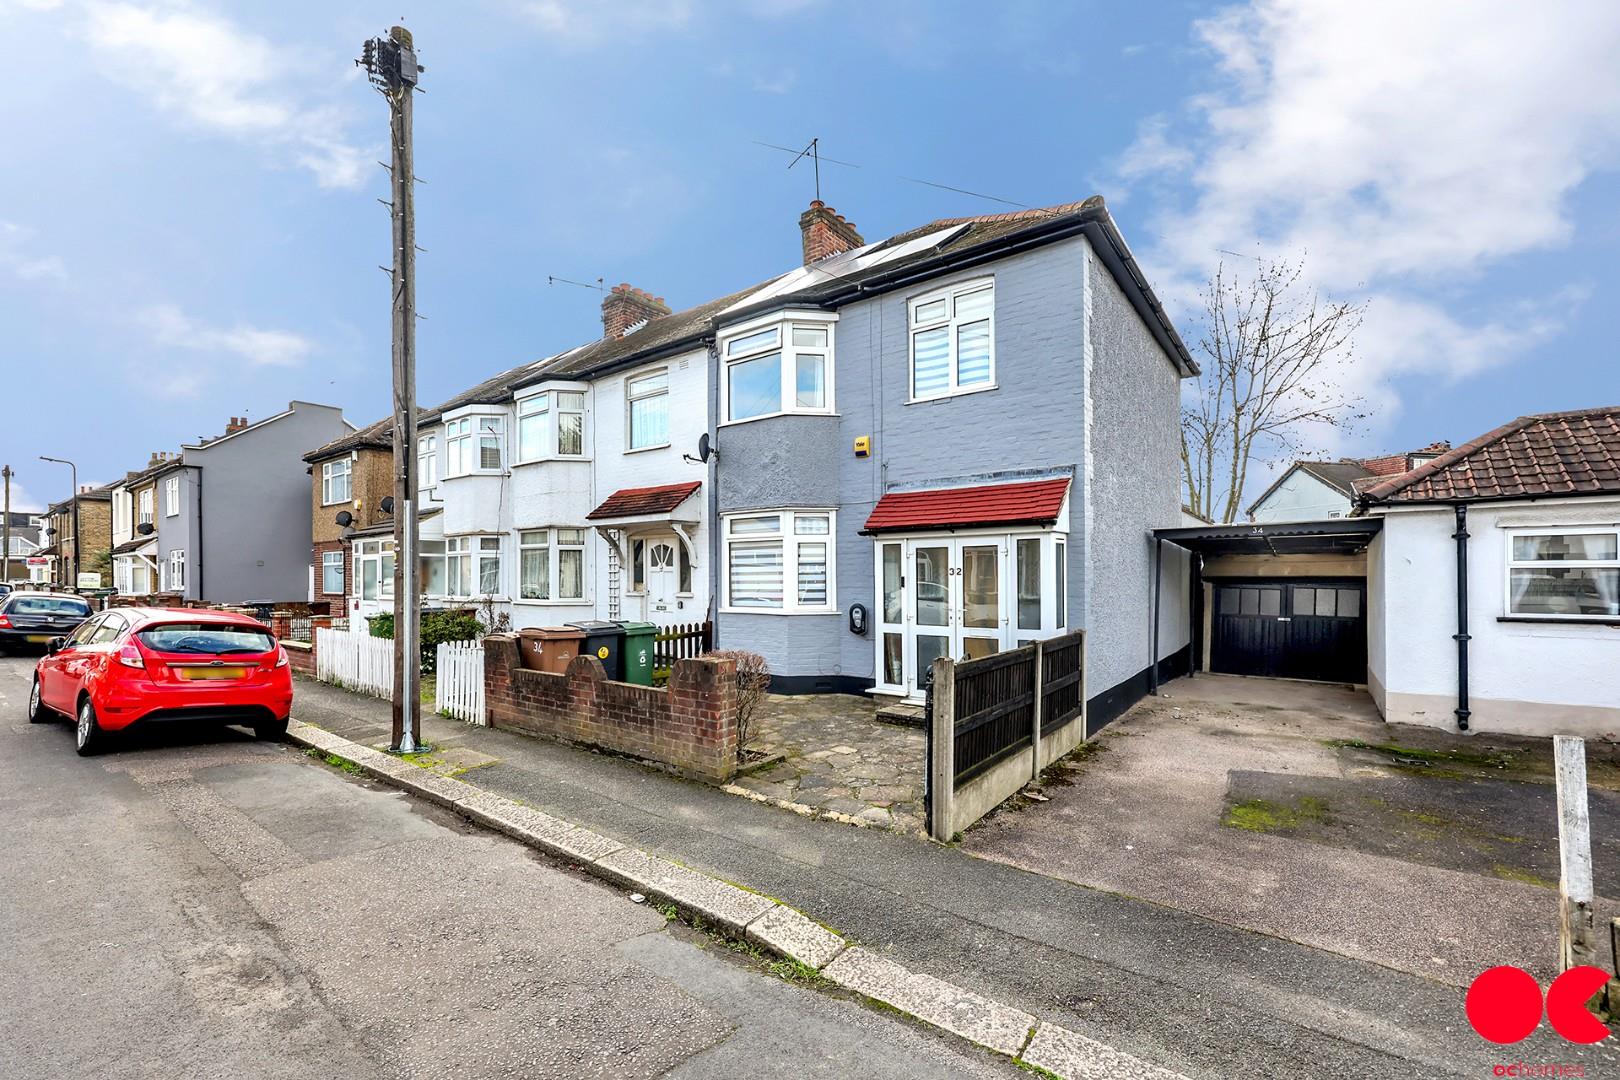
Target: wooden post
1576,934
942,765
1040,681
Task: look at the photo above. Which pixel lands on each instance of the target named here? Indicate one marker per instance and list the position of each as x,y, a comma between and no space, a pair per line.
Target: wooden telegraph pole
5,529
390,62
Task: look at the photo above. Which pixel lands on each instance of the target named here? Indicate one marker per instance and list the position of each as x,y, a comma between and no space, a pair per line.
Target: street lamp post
78,541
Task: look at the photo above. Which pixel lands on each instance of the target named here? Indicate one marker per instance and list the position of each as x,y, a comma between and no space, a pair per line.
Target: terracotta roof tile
1026,502
1564,453
635,502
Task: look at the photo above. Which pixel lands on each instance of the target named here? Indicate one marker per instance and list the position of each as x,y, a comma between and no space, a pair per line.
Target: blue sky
189,227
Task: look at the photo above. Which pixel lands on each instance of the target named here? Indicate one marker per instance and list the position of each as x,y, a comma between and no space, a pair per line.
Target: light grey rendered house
974,440
233,512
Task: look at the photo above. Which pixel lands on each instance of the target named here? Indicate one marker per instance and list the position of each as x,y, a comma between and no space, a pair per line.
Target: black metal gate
1311,629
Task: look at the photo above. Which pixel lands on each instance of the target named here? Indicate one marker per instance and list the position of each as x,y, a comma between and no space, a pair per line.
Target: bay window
1565,573
952,341
472,566
551,564
336,482
647,406
551,424
473,444
783,368
780,561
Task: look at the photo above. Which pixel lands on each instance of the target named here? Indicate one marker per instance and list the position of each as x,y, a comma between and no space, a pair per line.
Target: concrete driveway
1292,809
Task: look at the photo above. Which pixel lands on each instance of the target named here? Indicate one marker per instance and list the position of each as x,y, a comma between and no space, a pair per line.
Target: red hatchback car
146,665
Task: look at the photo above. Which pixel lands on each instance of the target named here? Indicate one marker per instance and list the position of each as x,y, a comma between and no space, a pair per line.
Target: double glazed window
427,461
374,569
780,369
472,566
647,405
171,496
332,573
145,503
551,564
335,482
953,341
780,561
473,444
551,424
177,570
1564,573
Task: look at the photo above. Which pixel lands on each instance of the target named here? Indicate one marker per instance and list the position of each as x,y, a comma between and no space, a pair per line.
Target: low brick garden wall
690,726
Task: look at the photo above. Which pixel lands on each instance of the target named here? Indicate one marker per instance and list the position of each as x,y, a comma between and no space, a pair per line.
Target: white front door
373,578
944,596
663,604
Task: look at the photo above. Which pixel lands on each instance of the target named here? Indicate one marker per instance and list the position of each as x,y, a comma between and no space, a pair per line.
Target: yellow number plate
210,672
38,639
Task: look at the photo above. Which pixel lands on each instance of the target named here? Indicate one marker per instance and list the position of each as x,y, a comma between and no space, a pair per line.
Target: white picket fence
355,660
459,688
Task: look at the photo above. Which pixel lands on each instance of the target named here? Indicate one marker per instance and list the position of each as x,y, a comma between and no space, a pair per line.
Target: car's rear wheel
90,737
271,730
37,712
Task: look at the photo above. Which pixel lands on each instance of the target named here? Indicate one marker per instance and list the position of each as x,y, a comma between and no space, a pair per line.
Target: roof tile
1026,502
634,502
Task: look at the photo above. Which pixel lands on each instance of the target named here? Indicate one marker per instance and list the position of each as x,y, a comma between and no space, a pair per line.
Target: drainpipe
1158,584
1461,636
197,569
713,485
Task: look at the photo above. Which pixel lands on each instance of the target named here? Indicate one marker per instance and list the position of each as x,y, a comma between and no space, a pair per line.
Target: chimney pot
625,306
825,232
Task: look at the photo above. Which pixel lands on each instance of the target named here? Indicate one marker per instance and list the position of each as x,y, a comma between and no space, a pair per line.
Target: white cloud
17,258
169,326
1406,148
221,78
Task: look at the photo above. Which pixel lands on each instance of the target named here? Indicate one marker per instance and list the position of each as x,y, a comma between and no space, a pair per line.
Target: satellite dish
704,449
145,528
387,504
344,518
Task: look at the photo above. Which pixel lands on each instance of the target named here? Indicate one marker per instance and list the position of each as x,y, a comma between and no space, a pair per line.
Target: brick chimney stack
626,306
825,232
236,424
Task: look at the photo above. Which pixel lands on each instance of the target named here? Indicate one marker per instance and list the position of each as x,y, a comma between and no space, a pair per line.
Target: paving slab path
1190,994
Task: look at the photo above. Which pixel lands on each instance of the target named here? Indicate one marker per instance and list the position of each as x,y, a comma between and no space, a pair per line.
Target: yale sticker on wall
601,654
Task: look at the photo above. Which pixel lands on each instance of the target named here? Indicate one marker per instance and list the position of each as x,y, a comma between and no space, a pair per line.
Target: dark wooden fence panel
995,709
1062,681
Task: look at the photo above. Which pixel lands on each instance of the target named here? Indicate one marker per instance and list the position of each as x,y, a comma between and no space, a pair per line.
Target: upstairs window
953,341
145,500
786,368
171,496
473,444
647,410
427,461
335,485
551,424
1567,573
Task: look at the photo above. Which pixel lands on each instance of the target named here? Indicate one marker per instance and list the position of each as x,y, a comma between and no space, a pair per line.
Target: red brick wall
691,726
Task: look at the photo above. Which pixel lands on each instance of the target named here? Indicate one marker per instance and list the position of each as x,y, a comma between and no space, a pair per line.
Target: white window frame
144,509
790,539
1511,564
552,542
548,405
329,560
382,553
783,324
464,439
915,325
177,570
171,496
427,461
330,474
472,547
632,395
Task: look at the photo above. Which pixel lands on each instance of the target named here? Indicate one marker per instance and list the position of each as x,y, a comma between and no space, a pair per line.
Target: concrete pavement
1195,996
199,904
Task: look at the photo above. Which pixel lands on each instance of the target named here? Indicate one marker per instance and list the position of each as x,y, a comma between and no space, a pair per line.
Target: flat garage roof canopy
1336,536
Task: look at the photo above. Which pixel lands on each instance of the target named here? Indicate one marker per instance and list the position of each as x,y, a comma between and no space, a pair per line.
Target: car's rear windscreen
49,605
208,639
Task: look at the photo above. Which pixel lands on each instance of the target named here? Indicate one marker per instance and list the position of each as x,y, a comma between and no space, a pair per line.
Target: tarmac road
198,904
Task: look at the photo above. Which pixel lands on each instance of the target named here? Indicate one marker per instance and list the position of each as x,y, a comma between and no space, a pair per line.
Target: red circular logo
1504,1004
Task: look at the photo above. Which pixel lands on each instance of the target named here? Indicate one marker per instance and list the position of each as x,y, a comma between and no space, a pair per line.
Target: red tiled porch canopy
643,502
1025,502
